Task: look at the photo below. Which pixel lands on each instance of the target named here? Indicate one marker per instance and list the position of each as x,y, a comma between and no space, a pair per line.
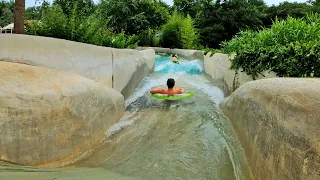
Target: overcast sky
170,2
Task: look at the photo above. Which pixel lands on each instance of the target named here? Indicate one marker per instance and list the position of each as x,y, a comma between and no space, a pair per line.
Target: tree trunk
19,9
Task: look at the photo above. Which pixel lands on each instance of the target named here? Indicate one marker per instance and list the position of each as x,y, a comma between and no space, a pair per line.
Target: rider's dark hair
170,83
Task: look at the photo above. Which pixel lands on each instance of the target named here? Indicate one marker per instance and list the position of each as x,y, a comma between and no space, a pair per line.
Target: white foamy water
165,66
147,84
119,126
126,121
214,93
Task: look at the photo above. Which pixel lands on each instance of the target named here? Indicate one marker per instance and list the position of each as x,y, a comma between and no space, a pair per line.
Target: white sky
170,2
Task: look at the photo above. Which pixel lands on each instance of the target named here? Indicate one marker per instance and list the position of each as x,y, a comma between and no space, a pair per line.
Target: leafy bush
77,27
171,32
188,33
221,20
124,41
133,16
146,38
6,12
290,48
179,32
157,42
6,17
54,23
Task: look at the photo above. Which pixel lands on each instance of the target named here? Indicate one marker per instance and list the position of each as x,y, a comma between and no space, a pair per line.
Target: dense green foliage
190,7
188,33
133,16
290,47
148,37
77,25
216,21
179,32
172,32
110,23
84,7
6,12
221,21
285,9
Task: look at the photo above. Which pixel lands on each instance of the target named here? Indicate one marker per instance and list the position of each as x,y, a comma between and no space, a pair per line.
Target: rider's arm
179,90
156,90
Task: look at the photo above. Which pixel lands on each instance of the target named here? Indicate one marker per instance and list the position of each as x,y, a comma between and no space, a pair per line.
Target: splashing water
164,65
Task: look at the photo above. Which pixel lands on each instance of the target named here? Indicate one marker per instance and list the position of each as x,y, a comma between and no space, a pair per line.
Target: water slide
155,139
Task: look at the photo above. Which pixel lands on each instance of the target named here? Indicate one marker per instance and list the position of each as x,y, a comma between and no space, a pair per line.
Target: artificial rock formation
218,67
50,117
278,123
121,69
93,62
130,67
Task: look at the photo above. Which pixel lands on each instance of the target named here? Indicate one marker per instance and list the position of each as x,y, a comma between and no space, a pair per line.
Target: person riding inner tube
174,58
171,89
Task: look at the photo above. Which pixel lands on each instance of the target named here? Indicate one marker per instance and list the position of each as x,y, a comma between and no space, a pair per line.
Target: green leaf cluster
76,27
290,48
6,13
179,32
147,38
133,16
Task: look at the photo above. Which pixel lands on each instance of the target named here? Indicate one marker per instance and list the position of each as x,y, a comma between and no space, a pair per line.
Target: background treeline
262,37
138,21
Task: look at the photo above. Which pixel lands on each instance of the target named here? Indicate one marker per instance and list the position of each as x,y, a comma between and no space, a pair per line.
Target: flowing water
187,139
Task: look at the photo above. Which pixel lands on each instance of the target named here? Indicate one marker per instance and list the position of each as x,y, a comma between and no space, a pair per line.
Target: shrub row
290,48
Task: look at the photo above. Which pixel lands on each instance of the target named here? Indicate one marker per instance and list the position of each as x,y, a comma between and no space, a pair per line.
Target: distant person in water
171,90
174,57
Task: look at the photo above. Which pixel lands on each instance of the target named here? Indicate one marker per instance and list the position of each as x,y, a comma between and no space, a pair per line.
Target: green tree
133,16
222,20
6,15
33,13
179,32
8,4
285,9
171,32
84,7
54,23
188,33
186,7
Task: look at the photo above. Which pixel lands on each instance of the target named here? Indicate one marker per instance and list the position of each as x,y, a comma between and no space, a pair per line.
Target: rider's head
170,83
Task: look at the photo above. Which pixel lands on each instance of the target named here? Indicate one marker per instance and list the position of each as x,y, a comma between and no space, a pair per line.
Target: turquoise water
163,65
